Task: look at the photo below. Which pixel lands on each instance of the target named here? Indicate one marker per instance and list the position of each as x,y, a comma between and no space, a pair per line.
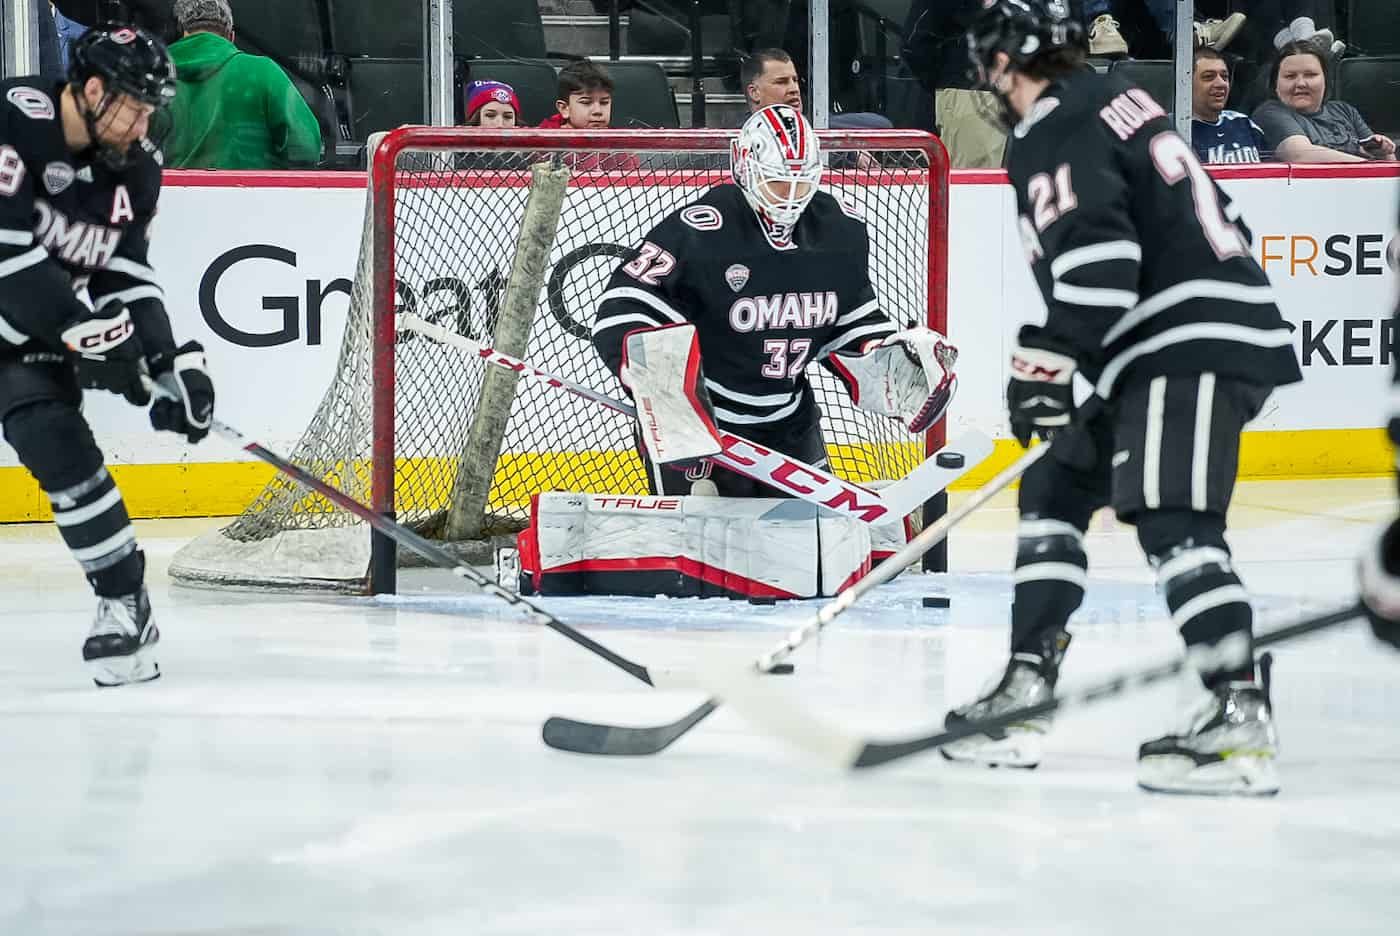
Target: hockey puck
757,600
949,460
937,601
782,669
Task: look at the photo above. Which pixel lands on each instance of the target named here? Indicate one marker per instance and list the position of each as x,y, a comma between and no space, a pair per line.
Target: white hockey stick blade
910,492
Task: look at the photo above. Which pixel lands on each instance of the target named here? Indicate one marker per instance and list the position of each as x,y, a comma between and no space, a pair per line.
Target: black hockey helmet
1026,30
130,62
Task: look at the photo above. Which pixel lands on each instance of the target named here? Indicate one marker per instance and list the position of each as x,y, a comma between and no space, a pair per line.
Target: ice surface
358,766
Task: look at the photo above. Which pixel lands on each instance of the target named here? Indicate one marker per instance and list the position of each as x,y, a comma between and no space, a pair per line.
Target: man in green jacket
233,110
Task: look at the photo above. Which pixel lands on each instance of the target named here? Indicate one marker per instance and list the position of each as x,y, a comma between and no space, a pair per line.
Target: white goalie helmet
776,162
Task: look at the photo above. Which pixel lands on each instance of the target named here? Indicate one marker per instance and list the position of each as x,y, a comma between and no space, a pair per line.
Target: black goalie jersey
1143,261
763,309
67,223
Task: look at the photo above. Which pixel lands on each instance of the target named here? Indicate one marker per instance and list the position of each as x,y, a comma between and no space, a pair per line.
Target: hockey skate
1029,680
120,648
1227,749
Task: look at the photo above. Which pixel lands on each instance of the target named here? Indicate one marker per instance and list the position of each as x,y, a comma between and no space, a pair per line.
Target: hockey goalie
710,325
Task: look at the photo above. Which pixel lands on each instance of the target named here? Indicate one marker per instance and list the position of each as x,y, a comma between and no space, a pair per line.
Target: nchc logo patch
736,276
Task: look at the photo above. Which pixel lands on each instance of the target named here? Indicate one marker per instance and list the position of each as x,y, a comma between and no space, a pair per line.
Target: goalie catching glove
185,375
909,375
661,369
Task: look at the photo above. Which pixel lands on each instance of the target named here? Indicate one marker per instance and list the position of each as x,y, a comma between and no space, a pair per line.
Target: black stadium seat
536,85
1151,75
498,29
394,28
384,93
286,30
1372,86
1375,27
642,97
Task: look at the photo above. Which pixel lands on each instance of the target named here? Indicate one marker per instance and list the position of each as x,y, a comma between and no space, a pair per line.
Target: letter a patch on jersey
121,206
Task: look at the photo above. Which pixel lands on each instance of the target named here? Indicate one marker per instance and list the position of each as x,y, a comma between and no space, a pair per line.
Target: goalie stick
579,737
780,472
843,749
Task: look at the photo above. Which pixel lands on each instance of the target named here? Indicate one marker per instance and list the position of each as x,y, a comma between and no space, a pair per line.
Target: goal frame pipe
383,575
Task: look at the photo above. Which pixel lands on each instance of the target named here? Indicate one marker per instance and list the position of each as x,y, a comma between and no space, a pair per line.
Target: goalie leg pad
661,368
688,547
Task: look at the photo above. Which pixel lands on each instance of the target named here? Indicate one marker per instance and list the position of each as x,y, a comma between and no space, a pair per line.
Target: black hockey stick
579,737
434,554
777,713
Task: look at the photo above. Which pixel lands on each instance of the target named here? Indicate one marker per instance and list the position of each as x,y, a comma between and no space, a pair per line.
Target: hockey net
425,433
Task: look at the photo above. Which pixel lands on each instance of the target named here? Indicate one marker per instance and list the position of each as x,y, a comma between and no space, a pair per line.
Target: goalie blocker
689,546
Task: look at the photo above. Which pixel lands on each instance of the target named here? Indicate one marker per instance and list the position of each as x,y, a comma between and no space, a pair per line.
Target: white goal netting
441,240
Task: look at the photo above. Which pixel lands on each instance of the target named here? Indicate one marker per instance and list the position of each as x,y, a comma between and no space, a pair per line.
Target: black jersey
763,308
1143,261
68,223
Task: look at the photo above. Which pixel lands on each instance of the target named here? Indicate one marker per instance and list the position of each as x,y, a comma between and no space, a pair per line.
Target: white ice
354,766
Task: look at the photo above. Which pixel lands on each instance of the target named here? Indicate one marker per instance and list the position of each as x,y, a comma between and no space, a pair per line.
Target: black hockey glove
183,373
1379,571
108,353
1040,394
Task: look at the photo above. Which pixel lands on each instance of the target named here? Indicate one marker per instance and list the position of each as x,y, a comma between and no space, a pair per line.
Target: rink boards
257,267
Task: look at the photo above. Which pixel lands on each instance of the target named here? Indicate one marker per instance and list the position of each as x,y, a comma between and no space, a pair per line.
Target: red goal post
424,434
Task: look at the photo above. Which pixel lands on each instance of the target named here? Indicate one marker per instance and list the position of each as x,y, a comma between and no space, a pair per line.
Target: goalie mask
776,162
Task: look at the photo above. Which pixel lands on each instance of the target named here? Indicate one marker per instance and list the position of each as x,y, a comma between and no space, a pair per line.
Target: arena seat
1375,26
383,93
1372,86
1151,75
642,97
492,28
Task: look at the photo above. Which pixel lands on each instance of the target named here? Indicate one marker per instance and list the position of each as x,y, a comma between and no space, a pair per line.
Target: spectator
934,47
492,105
1302,125
233,110
1219,135
585,103
769,76
1106,40
68,32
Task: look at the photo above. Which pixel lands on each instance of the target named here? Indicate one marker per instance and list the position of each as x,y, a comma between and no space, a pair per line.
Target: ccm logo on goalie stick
795,476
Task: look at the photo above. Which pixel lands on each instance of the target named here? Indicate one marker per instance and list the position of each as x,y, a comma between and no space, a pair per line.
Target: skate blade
1239,775
138,667
1019,749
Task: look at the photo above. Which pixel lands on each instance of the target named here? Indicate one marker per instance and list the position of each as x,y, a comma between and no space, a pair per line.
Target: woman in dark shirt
1302,126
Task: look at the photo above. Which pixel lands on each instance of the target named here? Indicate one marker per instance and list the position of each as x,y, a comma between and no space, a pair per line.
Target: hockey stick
437,556
780,472
580,737
779,715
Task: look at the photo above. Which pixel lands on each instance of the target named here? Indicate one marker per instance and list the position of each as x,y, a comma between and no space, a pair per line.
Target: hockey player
1380,564
79,307
1153,296
730,298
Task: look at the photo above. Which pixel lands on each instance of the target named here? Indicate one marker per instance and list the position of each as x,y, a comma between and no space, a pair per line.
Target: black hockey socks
54,443
1051,567
1208,603
92,518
